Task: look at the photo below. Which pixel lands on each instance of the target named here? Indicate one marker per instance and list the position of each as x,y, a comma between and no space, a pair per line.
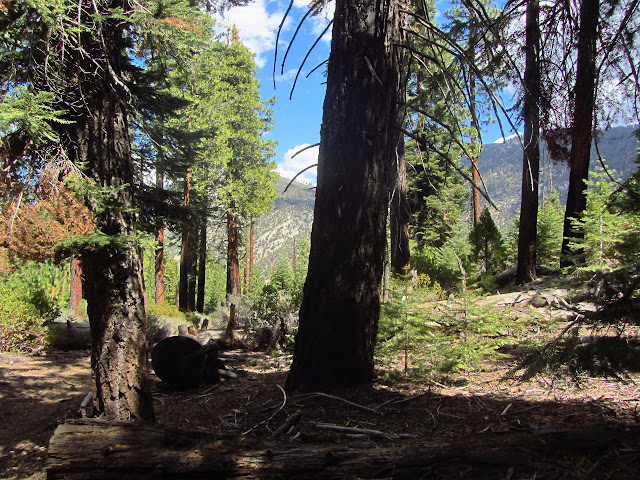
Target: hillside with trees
501,168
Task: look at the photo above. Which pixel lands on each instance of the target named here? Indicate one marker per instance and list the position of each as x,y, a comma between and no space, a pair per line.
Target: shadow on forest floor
487,427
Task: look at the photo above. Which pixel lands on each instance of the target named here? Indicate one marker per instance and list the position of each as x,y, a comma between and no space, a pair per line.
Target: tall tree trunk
159,263
526,269
233,270
475,140
99,139
75,285
202,266
582,129
251,248
360,131
475,192
192,276
113,287
185,261
399,213
183,281
159,267
386,274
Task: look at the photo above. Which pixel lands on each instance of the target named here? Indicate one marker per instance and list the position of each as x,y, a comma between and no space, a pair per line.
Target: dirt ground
566,429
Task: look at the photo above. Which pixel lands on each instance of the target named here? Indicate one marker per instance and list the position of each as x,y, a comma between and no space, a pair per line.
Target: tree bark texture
97,103
192,275
159,262
96,450
582,128
399,213
527,235
475,191
475,169
75,285
233,270
359,134
159,267
202,266
185,251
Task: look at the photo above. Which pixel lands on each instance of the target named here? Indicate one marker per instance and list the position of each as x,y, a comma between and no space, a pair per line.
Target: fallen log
98,450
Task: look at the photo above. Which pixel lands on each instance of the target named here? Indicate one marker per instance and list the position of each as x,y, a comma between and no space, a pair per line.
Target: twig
207,392
362,431
396,401
507,408
332,397
287,425
284,402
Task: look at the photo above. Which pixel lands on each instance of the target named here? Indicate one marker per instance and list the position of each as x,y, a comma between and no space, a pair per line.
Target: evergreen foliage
610,234
424,338
549,240
488,247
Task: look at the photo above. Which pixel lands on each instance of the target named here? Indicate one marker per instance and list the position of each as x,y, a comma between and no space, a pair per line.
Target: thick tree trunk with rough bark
526,270
97,103
360,131
582,129
399,213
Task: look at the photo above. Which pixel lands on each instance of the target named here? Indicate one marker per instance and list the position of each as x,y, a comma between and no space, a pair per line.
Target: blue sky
296,121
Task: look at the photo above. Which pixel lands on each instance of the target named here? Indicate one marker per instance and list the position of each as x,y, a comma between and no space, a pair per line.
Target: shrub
163,321
21,326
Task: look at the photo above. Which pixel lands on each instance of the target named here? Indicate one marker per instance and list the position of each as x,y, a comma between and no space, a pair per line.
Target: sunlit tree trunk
526,269
233,270
159,262
192,277
360,132
185,261
75,285
399,213
202,266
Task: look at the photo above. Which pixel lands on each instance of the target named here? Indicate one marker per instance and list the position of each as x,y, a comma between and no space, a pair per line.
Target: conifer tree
75,57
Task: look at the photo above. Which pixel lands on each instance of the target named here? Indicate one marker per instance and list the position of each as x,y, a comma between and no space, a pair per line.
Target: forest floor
477,425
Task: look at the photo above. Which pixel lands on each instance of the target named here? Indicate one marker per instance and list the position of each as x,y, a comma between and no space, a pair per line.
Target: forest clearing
475,424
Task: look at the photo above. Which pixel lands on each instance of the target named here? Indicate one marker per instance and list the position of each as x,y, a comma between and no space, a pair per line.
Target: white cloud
289,167
286,76
256,26
510,137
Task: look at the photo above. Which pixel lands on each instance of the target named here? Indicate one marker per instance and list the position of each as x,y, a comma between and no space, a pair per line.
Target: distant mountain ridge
288,225
285,228
500,165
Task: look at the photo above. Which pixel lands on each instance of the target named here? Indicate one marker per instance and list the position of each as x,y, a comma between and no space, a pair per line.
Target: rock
538,301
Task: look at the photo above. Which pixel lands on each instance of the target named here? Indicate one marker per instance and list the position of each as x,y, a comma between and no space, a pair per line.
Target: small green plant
438,338
470,333
22,328
402,328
